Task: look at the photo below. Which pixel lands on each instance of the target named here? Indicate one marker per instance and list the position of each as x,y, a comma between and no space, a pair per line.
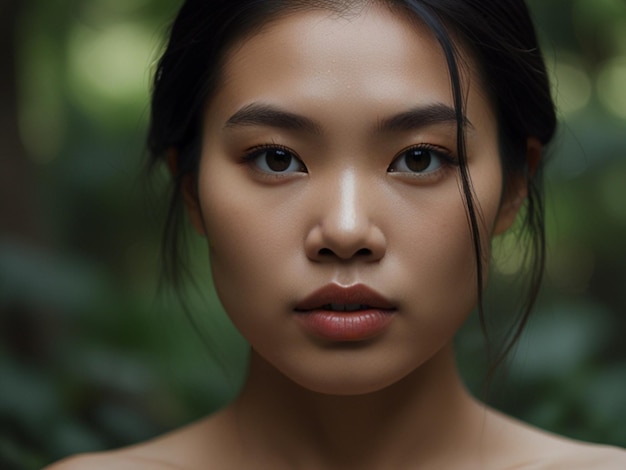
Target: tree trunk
18,219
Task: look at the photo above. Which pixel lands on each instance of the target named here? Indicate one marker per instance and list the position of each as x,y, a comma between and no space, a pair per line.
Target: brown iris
277,159
417,159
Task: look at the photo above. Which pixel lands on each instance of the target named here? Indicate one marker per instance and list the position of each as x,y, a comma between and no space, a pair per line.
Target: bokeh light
109,69
572,86
611,86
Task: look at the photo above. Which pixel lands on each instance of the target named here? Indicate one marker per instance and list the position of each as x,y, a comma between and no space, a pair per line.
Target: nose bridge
348,213
346,226
345,213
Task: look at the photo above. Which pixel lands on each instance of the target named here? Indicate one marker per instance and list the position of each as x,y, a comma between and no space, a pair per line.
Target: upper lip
335,294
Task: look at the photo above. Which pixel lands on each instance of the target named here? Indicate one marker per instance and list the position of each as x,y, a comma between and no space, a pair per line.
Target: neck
413,420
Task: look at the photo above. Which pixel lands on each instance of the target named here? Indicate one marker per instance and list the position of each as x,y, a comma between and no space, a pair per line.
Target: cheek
439,268
252,240
435,255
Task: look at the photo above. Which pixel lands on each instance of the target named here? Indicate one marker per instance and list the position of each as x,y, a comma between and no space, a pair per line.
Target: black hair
500,38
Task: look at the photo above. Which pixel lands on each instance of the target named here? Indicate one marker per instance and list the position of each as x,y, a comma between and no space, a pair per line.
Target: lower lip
346,326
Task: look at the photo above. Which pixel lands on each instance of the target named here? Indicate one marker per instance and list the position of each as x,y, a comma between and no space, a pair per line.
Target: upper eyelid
443,152
254,151
260,147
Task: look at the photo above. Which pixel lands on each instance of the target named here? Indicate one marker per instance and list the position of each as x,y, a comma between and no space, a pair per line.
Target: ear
189,193
517,188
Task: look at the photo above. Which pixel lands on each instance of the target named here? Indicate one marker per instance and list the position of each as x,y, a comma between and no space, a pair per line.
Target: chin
347,390
353,382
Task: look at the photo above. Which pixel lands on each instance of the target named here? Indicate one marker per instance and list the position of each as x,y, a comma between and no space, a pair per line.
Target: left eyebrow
261,114
422,116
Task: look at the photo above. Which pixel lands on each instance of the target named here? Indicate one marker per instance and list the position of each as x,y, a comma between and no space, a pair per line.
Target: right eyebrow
261,114
421,116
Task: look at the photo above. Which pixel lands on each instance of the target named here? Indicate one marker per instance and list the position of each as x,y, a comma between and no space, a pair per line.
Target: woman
348,163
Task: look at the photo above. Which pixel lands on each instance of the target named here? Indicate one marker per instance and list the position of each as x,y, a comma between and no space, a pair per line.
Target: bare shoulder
583,456
574,457
198,445
521,446
108,460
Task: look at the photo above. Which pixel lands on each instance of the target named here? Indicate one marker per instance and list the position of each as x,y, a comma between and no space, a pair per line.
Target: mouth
345,308
345,314
336,298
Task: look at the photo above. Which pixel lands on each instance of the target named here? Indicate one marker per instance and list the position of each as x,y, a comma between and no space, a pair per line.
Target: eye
275,160
421,159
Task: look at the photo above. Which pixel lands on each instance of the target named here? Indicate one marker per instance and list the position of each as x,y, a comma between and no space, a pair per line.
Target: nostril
325,252
328,252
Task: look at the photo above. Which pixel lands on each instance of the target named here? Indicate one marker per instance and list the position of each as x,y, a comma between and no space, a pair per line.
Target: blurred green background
92,358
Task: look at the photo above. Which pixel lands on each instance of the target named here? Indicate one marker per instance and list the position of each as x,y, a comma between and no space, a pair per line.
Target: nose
345,229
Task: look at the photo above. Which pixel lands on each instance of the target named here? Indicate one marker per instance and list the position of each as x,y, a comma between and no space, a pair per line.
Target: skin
348,213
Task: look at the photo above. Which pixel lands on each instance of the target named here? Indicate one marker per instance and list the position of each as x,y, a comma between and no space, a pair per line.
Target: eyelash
446,159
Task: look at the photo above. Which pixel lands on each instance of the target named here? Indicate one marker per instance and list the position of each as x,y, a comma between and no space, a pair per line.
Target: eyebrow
422,116
261,114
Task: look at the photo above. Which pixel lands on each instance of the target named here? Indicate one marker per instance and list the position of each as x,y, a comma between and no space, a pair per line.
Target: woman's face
330,197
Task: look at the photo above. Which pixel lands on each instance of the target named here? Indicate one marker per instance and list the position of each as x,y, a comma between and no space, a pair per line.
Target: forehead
373,56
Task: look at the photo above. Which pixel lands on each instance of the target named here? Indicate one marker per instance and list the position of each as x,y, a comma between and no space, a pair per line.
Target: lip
317,318
336,294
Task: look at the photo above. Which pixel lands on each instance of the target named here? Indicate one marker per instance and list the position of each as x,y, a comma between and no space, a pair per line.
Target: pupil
278,160
418,160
